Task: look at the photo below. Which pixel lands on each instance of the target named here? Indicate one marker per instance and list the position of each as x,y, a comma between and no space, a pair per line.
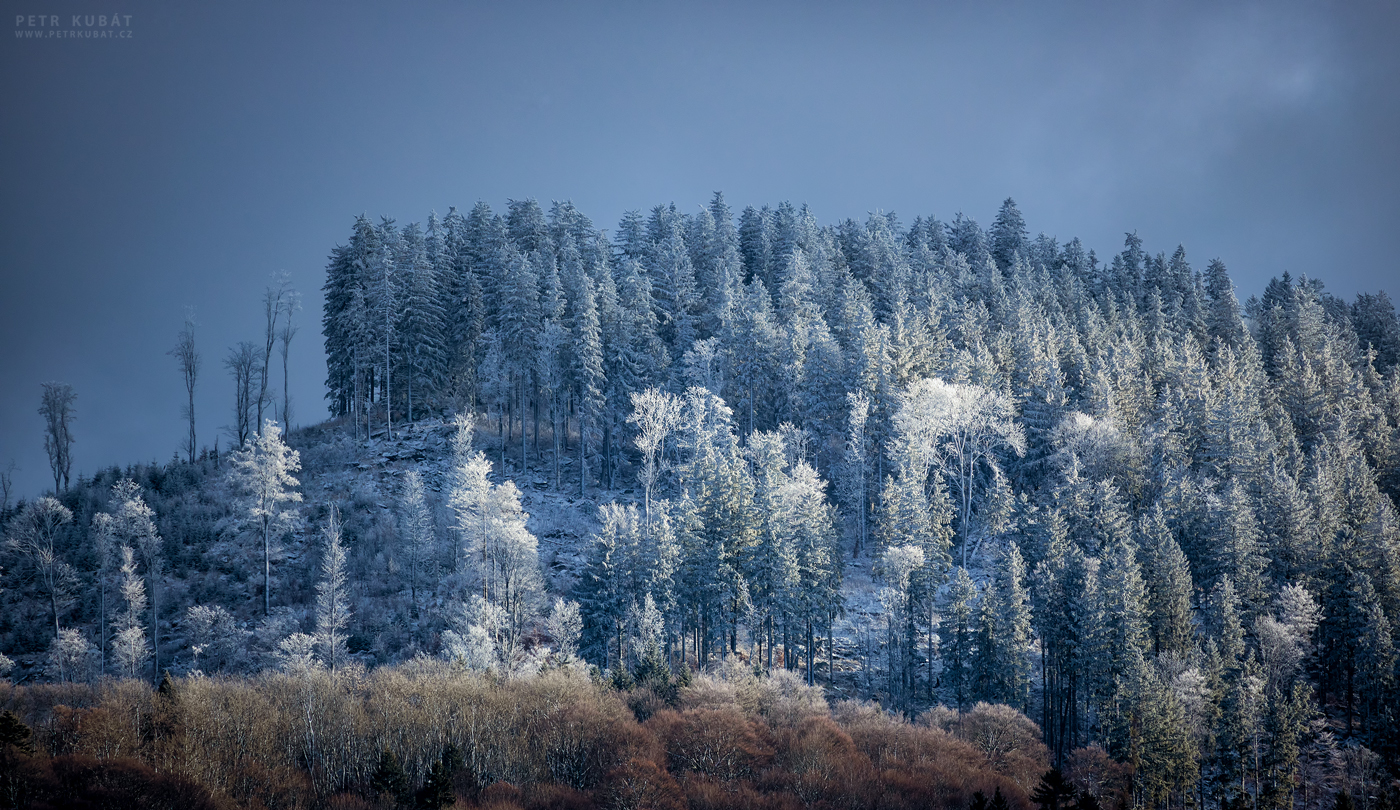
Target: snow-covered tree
655,413
332,597
133,524
33,534
959,430
129,643
491,524
419,534
262,474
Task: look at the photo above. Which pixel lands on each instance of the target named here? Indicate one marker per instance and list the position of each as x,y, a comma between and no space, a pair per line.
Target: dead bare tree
185,353
57,409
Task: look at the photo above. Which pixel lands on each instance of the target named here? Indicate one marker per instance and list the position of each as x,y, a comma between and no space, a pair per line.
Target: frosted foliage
475,635
647,625
215,637
418,532
1298,611
1097,444
262,475
1284,641
129,645
504,554
655,414
564,626
950,423
296,654
958,429
900,563
133,522
332,604
72,656
472,649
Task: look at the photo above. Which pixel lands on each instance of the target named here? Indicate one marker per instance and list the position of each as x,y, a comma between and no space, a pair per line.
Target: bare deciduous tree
284,337
185,353
275,301
242,364
958,429
57,409
7,482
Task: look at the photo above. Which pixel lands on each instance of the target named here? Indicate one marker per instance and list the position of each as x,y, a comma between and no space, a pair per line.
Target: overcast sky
201,147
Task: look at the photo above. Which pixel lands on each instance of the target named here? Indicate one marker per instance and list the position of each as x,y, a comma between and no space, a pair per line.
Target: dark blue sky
221,143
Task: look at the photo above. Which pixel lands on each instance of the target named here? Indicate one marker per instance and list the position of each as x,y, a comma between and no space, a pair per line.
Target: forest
719,511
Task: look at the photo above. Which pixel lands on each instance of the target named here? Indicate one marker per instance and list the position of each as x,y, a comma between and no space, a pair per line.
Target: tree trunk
267,569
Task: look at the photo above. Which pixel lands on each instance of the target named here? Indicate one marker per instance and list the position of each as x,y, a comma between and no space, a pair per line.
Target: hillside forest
736,511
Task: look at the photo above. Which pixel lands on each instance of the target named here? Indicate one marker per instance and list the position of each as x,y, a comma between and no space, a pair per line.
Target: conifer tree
422,325
418,534
1168,578
1004,637
332,599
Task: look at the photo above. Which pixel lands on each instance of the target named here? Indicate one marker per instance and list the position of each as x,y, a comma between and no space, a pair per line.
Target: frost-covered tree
133,525
897,566
655,413
421,327
491,523
332,597
853,487
962,633
129,643
565,626
216,640
34,534
959,430
419,534
262,474
1004,634
71,656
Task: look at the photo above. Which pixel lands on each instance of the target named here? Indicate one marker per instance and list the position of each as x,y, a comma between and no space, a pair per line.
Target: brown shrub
502,796
1010,740
1093,770
640,785
719,743
704,793
557,797
580,743
819,763
348,801
73,781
